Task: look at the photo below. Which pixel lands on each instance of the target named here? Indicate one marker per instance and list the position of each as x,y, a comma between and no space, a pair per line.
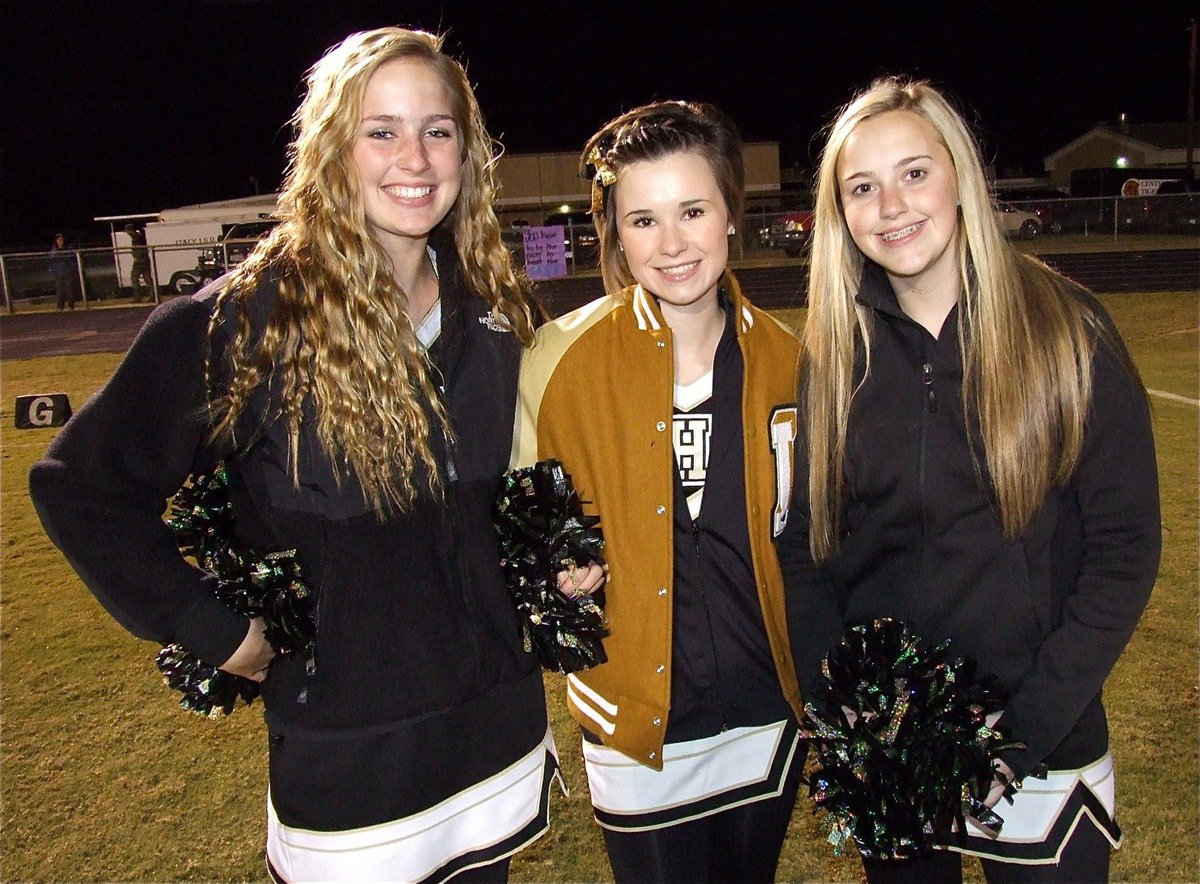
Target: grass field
102,778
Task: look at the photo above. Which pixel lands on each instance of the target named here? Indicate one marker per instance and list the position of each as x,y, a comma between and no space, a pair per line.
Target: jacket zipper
712,636
450,549
441,381
310,668
929,407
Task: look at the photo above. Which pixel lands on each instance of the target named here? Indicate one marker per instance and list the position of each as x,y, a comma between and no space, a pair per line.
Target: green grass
102,778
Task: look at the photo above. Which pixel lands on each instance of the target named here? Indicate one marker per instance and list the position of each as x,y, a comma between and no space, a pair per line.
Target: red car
790,232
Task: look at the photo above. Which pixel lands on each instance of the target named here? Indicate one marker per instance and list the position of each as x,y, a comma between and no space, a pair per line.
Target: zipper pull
927,380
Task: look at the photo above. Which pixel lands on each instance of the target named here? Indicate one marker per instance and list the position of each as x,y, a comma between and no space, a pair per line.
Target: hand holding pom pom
267,588
543,533
905,739
575,581
253,656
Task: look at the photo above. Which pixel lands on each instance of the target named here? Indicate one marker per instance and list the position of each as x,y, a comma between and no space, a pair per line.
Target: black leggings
739,844
1084,860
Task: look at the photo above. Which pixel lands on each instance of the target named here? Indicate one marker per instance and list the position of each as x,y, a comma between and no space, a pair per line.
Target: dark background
114,108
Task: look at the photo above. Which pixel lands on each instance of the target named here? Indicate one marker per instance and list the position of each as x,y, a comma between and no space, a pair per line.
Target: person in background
139,271
690,727
977,461
357,377
65,271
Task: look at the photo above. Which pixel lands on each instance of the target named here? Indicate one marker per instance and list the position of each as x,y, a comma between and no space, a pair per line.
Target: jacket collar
450,343
450,288
648,313
875,291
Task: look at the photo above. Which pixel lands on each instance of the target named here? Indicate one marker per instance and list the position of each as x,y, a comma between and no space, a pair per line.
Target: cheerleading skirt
478,826
1045,813
699,777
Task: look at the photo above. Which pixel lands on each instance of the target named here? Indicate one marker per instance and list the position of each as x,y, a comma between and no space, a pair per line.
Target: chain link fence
35,280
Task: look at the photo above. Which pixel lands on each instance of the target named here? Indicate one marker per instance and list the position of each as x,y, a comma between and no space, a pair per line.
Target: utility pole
1191,127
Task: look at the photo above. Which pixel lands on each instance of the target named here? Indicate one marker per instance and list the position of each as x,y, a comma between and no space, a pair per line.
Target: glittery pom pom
270,586
901,736
543,530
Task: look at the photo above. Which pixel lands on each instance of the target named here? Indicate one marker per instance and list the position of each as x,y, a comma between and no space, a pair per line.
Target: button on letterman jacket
596,393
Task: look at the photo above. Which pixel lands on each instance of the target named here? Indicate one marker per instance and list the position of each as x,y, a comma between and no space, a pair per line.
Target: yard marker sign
42,410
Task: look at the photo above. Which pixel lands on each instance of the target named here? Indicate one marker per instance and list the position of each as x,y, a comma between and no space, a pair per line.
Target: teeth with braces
901,233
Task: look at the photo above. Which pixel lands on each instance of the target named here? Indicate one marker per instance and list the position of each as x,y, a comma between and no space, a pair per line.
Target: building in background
534,186
1127,146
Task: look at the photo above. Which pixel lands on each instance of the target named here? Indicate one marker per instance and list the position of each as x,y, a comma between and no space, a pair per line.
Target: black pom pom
206,690
270,586
903,742
543,530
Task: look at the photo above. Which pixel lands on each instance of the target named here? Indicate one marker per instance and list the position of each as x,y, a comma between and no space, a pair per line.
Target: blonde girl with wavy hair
344,332
976,459
356,376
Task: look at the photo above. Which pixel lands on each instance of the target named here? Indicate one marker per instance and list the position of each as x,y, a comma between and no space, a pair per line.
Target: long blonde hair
340,335
1027,340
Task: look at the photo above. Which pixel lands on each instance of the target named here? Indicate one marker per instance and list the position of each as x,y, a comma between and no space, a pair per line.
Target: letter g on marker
42,410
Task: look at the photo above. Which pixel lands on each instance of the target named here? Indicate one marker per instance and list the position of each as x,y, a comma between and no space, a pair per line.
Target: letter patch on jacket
783,443
692,437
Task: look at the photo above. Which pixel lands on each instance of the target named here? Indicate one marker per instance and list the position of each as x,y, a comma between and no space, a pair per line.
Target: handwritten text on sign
545,252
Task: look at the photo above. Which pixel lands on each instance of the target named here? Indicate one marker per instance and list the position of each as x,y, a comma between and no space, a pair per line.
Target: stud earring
731,231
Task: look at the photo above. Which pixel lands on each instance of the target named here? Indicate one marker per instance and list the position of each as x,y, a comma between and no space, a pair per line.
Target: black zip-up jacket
1048,612
722,674
415,624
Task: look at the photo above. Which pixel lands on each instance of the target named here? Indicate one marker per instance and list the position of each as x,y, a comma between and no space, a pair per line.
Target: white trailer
191,244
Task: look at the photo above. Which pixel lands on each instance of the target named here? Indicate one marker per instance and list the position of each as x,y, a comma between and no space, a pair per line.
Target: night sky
114,108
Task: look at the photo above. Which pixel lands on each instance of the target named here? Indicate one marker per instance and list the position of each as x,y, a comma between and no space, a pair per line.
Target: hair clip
603,178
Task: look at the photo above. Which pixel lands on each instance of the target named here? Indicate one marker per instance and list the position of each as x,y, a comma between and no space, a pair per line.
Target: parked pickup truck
789,231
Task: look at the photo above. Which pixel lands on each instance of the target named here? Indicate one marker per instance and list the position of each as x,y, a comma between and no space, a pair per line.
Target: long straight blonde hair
1027,340
340,335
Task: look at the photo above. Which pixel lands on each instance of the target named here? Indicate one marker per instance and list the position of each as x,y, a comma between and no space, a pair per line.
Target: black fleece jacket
1048,612
414,618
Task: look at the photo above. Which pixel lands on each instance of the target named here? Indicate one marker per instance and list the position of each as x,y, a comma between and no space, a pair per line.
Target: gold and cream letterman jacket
596,392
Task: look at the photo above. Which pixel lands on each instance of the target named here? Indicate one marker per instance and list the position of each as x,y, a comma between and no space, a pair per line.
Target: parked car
1176,206
1018,222
579,235
236,243
789,232
1054,209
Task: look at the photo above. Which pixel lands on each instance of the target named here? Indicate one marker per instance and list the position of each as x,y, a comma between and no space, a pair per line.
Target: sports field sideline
104,779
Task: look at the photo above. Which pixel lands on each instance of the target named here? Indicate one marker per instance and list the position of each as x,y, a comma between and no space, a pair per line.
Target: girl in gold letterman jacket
670,403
